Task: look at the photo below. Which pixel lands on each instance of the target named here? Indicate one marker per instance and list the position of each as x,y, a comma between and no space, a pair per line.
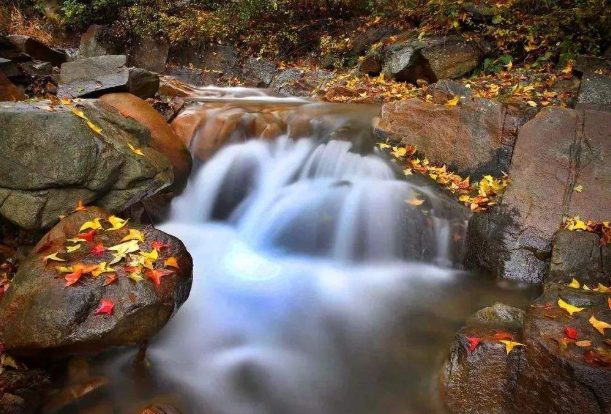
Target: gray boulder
97,41
143,83
41,315
595,92
37,50
298,82
50,158
93,77
150,54
10,69
431,59
259,72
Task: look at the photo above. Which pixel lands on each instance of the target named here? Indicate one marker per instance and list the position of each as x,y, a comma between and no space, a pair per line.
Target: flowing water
318,287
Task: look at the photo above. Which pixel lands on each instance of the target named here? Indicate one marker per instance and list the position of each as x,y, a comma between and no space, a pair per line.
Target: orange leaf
171,262
156,275
110,279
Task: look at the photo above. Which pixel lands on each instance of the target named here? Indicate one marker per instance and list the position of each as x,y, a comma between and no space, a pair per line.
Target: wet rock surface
141,308
51,158
297,82
559,150
93,77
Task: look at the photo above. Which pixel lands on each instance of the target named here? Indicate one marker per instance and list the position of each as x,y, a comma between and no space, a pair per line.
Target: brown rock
468,137
8,91
160,409
40,315
556,151
150,54
187,123
163,138
38,50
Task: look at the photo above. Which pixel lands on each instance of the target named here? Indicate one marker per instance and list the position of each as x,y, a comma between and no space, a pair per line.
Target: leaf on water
509,345
134,235
135,150
106,307
52,257
171,262
93,224
116,222
599,325
568,307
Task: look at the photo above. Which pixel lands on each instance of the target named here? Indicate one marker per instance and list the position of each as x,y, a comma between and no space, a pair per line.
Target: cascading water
324,282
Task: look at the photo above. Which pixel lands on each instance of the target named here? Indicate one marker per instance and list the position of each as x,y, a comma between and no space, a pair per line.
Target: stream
325,281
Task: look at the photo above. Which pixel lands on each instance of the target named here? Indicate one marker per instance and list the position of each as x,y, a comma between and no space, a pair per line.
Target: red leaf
105,307
503,336
156,275
157,245
110,279
86,236
571,333
98,249
609,302
131,269
595,358
473,343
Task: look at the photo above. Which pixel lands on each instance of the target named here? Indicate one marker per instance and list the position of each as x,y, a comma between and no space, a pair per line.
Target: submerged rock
555,152
50,158
163,138
41,315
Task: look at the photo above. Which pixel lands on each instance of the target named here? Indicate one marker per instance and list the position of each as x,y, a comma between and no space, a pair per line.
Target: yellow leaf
583,344
136,277
94,127
415,202
94,224
599,325
102,268
509,345
171,262
532,103
383,145
61,269
602,288
579,188
135,150
52,257
74,248
152,255
568,307
454,101
134,235
78,113
125,248
76,240
116,222
576,223
574,284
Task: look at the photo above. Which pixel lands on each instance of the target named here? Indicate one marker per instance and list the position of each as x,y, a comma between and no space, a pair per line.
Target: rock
595,93
140,309
169,108
20,390
371,64
585,65
555,379
432,59
38,50
556,151
577,254
485,380
188,122
150,54
10,68
9,51
163,138
444,90
297,82
471,137
93,77
51,159
37,68
8,91
174,88
160,409
143,83
97,41
371,36
214,62
259,72
187,75
72,394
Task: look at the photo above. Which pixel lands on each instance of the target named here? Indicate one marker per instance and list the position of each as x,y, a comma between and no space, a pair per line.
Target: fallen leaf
473,343
415,202
574,284
157,245
116,222
568,307
609,302
110,279
593,357
46,245
80,206
583,344
93,224
579,188
509,345
94,127
599,325
454,101
135,150
571,333
98,250
53,257
71,249
156,275
134,235
86,236
136,277
503,335
102,268
75,276
80,114
171,262
106,307
152,255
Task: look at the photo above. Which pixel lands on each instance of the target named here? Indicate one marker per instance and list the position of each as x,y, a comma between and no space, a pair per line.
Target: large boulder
151,54
259,72
595,92
97,41
298,82
214,61
41,314
163,138
431,59
475,137
557,152
50,158
37,50
93,77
